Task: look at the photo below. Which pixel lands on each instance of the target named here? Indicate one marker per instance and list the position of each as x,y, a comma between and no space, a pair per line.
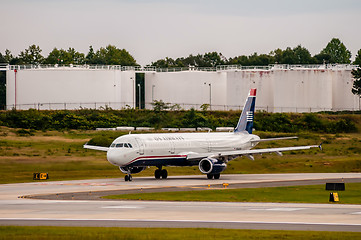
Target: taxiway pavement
23,211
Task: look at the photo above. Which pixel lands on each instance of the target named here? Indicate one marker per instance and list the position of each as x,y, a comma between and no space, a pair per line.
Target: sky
153,29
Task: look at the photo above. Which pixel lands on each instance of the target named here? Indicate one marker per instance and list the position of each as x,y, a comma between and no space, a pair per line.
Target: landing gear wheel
128,178
217,175
164,174
210,176
157,174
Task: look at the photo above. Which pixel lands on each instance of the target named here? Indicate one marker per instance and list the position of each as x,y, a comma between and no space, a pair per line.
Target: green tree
74,57
90,57
2,58
54,57
302,55
31,55
297,55
337,51
210,59
160,105
111,55
356,73
167,63
358,58
8,56
322,58
61,56
2,90
356,89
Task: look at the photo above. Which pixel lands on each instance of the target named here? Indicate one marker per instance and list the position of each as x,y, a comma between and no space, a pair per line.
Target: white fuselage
172,148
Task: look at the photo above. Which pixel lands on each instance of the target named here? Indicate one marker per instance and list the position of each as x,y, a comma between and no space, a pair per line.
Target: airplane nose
112,156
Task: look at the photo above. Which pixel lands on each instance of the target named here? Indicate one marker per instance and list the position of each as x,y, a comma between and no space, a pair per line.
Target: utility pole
139,95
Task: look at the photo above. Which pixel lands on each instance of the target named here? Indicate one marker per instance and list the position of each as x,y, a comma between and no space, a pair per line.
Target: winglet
245,122
320,146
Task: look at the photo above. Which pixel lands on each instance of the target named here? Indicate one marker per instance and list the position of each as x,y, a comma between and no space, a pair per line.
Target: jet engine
211,166
132,170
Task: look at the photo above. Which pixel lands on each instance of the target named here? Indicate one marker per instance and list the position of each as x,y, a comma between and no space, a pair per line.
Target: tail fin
245,122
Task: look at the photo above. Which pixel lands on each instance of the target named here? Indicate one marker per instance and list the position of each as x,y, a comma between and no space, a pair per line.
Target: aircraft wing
105,149
249,153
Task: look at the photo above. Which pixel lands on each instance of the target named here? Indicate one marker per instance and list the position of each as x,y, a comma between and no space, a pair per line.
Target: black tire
210,176
126,178
217,175
164,174
157,174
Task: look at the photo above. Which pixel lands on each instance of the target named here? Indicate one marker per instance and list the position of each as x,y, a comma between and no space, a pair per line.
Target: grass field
295,194
61,155
65,233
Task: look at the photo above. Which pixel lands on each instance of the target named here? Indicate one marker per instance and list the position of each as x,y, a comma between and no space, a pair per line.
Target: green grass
296,194
78,233
61,154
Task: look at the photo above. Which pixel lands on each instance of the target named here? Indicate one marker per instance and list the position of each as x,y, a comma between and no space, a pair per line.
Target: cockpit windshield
120,145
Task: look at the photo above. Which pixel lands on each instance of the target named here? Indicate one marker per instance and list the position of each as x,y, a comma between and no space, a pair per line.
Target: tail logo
249,116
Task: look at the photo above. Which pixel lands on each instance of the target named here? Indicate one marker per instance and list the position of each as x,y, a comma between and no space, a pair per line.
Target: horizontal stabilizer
273,139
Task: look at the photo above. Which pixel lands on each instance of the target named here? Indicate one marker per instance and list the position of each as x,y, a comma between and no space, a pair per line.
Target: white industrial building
280,88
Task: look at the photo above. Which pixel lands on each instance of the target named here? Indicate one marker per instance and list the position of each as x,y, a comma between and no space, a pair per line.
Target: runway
36,212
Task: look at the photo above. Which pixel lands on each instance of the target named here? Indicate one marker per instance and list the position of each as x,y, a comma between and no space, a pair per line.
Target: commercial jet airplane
132,153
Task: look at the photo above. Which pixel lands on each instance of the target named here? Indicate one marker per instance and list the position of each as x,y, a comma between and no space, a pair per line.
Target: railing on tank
183,69
4,66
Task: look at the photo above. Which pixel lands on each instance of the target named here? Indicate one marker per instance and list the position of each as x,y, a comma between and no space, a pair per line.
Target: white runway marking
277,209
356,213
122,207
175,220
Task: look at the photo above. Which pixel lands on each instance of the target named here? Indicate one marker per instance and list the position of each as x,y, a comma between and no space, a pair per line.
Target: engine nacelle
211,165
133,170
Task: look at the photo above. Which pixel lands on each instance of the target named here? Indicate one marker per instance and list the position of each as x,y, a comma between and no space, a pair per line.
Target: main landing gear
160,173
215,176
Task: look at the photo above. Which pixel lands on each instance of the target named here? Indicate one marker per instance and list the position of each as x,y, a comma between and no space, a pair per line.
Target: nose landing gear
128,178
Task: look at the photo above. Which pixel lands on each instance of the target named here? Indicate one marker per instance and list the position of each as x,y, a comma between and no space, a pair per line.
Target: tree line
107,118
334,52
109,55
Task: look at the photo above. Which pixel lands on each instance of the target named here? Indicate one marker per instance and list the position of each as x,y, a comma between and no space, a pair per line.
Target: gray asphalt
97,195
85,212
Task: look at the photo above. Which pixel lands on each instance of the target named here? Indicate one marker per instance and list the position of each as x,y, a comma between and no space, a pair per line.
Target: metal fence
171,106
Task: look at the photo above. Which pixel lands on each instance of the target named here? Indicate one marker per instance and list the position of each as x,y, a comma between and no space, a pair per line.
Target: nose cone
112,156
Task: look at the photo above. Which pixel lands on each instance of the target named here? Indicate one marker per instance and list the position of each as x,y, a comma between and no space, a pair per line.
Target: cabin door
172,148
140,145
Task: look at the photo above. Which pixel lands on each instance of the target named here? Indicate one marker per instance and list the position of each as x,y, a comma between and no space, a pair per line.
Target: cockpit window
119,145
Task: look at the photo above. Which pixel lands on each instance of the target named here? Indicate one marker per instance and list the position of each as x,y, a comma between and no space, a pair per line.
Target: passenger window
119,145
126,145
130,145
